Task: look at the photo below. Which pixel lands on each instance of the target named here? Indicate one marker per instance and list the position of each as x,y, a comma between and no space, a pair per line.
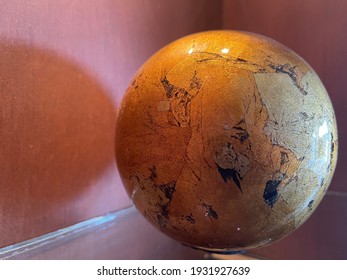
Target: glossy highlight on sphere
226,140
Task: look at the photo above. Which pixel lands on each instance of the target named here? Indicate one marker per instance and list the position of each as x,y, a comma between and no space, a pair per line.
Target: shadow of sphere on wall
56,139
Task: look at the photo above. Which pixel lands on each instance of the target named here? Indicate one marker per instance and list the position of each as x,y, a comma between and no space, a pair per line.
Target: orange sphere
226,140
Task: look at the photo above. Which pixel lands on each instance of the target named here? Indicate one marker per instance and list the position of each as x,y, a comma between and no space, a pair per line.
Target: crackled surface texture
226,140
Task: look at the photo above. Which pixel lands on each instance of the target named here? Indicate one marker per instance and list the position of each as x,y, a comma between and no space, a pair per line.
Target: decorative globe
226,140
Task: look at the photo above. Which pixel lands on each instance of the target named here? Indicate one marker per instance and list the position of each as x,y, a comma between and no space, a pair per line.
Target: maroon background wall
64,66
316,30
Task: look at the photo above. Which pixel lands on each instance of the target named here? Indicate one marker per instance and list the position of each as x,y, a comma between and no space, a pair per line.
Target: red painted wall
64,66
